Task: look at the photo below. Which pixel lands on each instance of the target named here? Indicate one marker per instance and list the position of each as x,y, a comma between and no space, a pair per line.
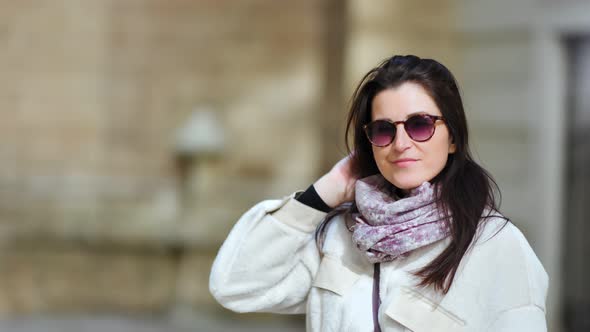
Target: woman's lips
405,162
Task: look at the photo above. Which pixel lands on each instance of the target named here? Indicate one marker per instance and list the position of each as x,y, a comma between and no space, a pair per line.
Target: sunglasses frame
434,118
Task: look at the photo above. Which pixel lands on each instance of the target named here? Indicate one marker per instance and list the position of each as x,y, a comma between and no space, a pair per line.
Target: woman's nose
401,141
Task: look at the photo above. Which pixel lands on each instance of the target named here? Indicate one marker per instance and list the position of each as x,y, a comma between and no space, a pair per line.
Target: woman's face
407,163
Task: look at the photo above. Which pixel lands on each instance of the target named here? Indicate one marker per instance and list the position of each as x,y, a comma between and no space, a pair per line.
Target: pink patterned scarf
387,228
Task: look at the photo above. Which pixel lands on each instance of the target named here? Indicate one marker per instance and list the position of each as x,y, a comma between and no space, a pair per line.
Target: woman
411,238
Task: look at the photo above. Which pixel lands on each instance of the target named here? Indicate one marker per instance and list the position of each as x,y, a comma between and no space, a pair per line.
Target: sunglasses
419,127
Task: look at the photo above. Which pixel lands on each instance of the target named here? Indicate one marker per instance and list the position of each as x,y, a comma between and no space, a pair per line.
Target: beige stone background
133,133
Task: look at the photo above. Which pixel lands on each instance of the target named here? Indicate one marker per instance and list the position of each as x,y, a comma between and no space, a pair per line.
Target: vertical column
577,195
332,105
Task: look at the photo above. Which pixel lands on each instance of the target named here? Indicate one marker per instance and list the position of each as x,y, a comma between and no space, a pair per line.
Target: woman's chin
405,185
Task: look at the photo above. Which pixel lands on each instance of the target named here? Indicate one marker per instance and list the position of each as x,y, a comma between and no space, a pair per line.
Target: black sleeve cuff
311,198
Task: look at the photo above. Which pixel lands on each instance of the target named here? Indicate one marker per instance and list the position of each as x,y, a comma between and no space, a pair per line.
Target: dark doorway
576,258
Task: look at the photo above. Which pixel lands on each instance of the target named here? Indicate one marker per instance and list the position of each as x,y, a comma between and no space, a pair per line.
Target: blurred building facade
134,133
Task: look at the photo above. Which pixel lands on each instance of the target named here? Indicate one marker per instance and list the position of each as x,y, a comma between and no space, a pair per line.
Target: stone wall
99,210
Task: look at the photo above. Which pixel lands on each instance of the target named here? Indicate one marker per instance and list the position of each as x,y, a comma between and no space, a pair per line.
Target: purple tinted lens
380,133
420,128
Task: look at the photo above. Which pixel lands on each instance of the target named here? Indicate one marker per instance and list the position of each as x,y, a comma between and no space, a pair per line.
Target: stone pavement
115,323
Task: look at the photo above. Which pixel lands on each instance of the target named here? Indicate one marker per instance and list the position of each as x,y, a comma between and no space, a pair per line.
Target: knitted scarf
387,228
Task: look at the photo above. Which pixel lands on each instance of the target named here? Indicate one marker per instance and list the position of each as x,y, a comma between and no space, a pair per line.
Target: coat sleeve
512,281
524,319
269,259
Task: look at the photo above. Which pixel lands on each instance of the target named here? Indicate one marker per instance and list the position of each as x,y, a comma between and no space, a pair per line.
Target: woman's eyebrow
407,116
416,113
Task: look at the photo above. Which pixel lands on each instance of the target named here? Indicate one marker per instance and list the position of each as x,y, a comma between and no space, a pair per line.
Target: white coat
270,263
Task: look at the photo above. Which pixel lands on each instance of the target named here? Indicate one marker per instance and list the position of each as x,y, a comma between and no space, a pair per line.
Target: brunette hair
465,189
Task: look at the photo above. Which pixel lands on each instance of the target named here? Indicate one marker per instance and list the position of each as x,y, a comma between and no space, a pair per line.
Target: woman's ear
452,147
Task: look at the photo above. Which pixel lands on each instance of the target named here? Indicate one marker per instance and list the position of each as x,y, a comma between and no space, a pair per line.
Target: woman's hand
337,186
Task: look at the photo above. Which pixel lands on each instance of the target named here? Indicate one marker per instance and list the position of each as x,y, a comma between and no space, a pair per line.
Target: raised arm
269,259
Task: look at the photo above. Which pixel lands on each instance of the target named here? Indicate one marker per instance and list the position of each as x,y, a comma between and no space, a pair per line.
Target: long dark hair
465,189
